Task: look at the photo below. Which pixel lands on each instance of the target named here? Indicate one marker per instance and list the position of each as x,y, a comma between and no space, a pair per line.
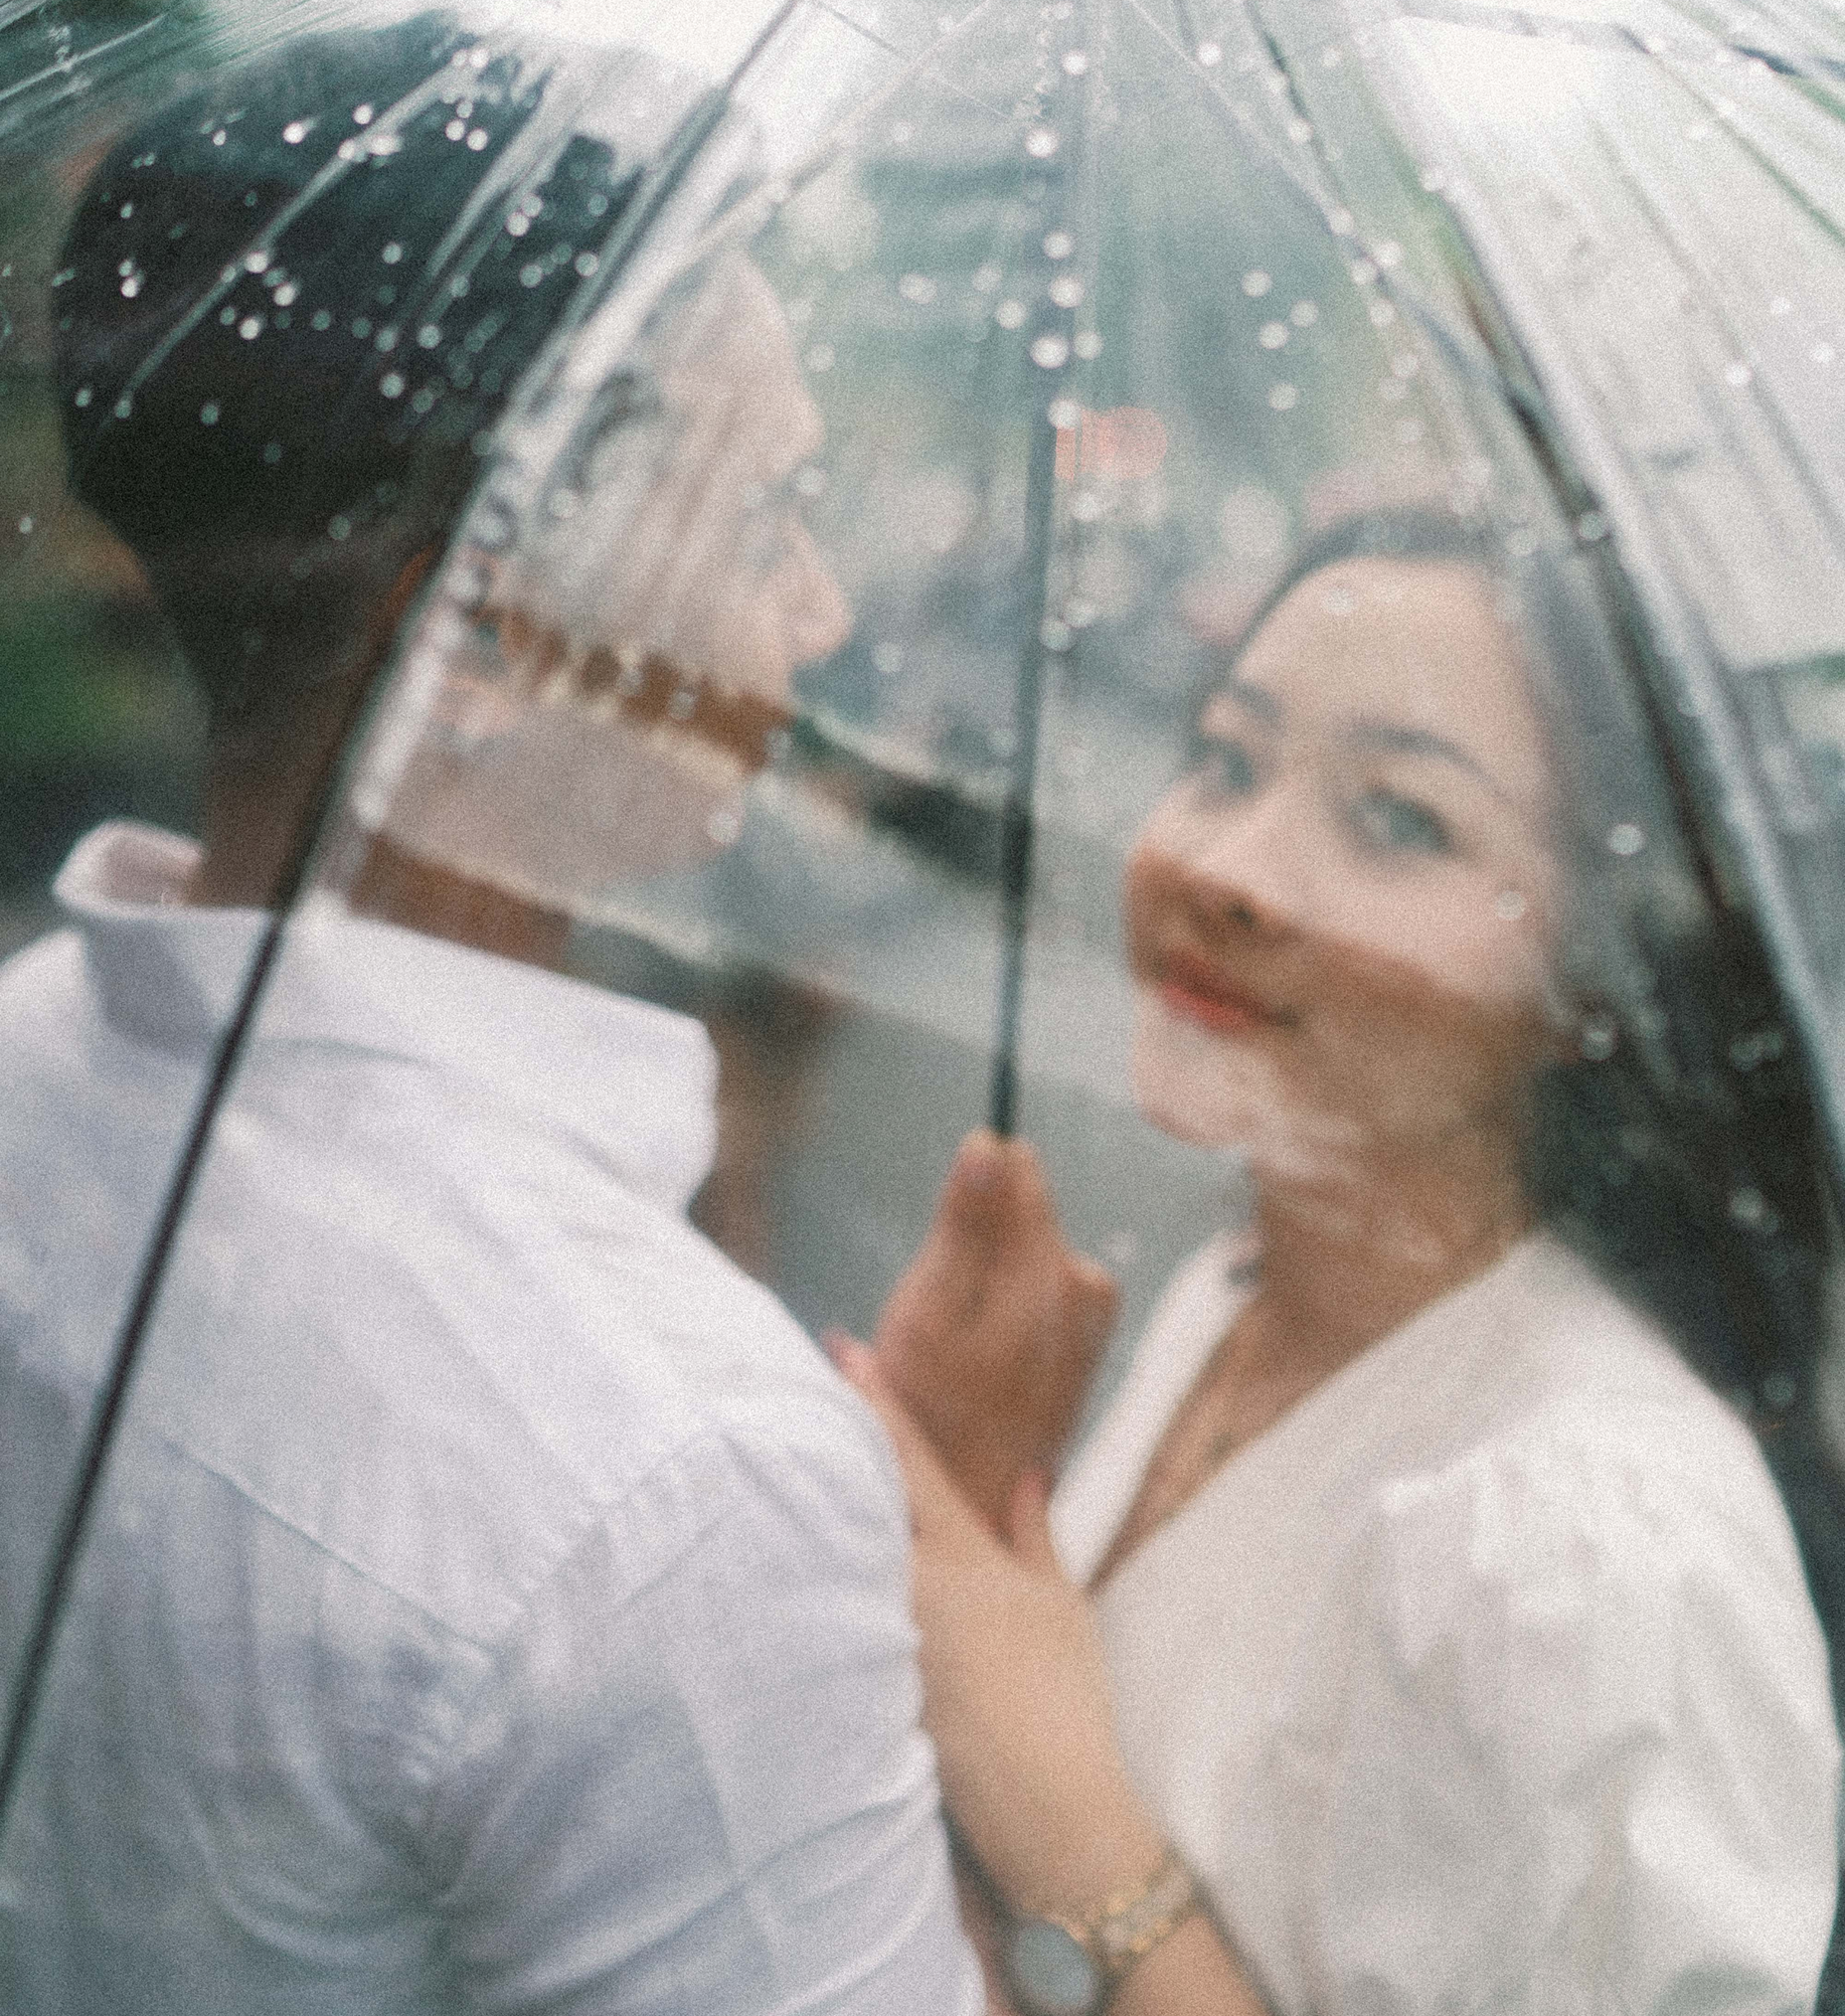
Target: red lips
1194,988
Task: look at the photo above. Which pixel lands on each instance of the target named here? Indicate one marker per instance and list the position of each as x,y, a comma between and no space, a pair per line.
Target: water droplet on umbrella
1088,344
1823,353
339,528
1076,62
585,265
1086,506
363,115
987,278
1509,904
226,314
1303,314
295,132
1364,272
1057,244
1256,283
1079,613
530,276
1300,131
1340,222
85,394
286,295
1050,351
1383,314
208,412
1590,526
1405,364
392,385
1067,290
1750,1208
218,137
125,212
1210,53
350,150
249,328
384,145
25,527
324,319
916,288
1010,314
477,140
1598,1038
272,452
1284,397
131,287
1272,335
1041,143
1626,839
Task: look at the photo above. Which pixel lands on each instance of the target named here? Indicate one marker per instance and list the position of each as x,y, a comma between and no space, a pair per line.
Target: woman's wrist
1093,1843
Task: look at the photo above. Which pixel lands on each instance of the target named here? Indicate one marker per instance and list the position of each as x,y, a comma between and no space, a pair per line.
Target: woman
1440,1620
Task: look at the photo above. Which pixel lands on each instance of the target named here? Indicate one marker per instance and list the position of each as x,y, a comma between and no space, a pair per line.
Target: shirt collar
635,1084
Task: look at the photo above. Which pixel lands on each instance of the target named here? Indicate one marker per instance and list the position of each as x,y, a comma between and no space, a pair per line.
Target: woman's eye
1225,769
1387,820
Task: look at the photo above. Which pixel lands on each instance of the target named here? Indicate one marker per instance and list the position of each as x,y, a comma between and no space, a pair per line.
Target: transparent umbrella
752,507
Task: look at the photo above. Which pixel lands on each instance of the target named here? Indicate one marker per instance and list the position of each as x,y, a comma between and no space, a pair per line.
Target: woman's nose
819,618
1249,870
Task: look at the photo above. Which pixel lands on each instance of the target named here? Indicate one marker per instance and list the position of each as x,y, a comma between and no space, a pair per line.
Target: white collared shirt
495,1600
1487,1678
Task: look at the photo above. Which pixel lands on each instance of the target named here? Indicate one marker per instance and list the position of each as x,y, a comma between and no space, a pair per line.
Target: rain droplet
272,452
384,145
1364,272
227,315
1079,613
456,129
1748,1207
987,278
1405,364
1088,344
1598,1038
1272,335
518,224
208,414
1067,290
1509,904
1590,526
126,212
1054,635
1048,352
1823,353
1064,414
1340,222
477,140
1303,314
249,328
1738,374
820,357
363,115
1389,254
1781,305
1076,62
392,385
362,327
256,261
423,401
324,319
530,276
1085,507
286,295
85,394
585,265
295,132
1010,314
218,137
917,289
392,254
350,150
131,287
1300,131
1041,143
1210,53
1256,283
339,528
1284,397
1626,840
25,527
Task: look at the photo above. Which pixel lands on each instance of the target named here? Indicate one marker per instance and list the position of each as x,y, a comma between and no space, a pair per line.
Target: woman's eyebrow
1394,737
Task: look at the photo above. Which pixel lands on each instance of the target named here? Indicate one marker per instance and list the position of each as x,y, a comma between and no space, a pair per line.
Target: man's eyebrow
1259,702
1394,737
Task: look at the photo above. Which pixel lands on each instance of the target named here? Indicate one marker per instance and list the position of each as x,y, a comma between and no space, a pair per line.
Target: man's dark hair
288,311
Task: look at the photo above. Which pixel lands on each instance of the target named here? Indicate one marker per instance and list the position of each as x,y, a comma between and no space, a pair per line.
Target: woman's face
1341,922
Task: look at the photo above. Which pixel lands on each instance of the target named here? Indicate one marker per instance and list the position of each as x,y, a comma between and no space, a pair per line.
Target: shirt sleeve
1577,1752
696,1780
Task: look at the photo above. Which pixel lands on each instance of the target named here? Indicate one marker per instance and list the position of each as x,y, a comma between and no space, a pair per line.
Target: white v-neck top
1487,1677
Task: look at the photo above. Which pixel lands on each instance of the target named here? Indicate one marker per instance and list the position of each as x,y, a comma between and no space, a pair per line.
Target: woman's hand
989,1338
1016,1695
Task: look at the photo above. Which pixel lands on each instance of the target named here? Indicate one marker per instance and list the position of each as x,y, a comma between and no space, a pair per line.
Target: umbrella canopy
758,503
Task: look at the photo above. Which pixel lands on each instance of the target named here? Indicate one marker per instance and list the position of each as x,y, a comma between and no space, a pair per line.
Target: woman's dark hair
1676,1148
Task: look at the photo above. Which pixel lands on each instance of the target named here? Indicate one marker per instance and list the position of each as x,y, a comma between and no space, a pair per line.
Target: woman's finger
936,1506
1029,1524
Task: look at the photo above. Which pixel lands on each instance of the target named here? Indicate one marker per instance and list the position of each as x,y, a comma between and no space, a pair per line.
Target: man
494,1600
